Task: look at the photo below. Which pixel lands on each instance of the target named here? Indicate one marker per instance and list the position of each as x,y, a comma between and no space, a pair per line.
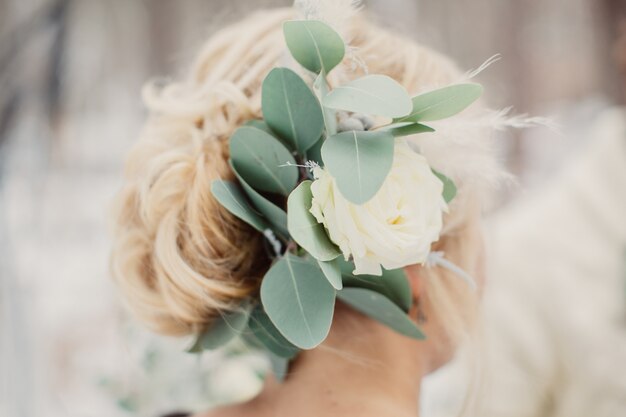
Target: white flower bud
350,123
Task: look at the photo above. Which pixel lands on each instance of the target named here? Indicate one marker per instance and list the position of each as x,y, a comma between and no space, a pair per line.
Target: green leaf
442,103
315,152
359,162
229,195
251,340
260,159
381,309
268,335
304,228
393,284
261,125
320,85
275,215
402,129
372,94
449,188
314,44
223,330
291,109
332,273
299,301
280,366
196,347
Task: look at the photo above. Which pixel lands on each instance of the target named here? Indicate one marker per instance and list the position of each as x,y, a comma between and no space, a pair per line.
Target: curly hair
180,258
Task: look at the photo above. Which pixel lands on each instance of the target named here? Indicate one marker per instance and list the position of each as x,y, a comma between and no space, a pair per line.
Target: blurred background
70,76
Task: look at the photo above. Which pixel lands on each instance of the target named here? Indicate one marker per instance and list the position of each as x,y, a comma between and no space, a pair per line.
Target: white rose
396,227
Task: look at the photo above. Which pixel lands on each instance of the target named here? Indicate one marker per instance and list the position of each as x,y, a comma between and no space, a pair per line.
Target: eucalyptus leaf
315,152
449,188
291,109
299,300
372,94
347,268
261,125
304,228
401,129
268,335
442,103
280,366
196,347
320,85
263,161
332,273
359,161
251,340
393,284
381,309
314,44
229,195
223,330
274,214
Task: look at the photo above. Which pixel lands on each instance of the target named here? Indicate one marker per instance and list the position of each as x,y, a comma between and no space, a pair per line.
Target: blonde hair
179,257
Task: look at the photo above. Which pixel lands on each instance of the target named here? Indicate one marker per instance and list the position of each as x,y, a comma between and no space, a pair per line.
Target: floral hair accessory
344,204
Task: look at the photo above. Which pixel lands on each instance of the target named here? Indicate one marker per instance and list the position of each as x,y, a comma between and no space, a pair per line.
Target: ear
414,275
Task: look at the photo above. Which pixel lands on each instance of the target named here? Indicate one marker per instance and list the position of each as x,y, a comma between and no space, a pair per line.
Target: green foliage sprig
273,194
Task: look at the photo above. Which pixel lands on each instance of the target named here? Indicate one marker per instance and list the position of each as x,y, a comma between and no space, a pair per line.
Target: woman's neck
362,369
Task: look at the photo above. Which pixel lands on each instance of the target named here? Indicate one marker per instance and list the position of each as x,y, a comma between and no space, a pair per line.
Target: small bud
367,121
349,124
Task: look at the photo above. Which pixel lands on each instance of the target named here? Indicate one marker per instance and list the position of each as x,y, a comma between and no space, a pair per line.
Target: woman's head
179,256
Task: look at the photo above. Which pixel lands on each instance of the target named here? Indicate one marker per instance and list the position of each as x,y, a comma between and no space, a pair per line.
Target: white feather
464,147
464,150
502,121
473,73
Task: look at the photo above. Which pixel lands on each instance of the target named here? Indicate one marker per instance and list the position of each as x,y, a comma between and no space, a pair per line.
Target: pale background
70,75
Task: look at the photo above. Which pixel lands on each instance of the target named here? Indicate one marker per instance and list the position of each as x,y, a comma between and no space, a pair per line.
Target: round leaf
223,330
332,273
393,284
229,195
299,301
263,161
381,309
268,335
314,44
315,152
303,226
320,85
291,109
372,94
449,188
442,103
401,129
259,124
274,214
280,366
359,161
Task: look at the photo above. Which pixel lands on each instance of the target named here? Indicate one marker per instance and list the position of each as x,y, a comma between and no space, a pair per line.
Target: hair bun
179,257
